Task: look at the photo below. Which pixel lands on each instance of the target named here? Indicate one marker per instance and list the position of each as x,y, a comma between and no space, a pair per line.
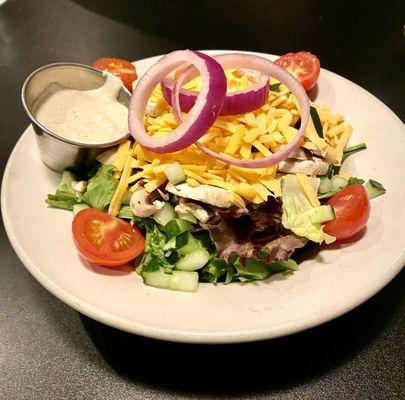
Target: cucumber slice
177,226
322,214
337,182
171,244
183,281
194,260
184,243
374,189
79,207
187,216
327,195
68,177
181,240
191,243
325,185
175,173
165,214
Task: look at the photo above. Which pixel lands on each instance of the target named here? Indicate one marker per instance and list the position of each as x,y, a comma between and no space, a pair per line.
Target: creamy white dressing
85,116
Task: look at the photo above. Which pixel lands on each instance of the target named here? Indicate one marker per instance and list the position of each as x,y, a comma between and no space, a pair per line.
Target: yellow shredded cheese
234,141
155,183
252,135
245,151
342,142
123,151
263,149
265,130
192,182
308,189
115,205
345,175
274,185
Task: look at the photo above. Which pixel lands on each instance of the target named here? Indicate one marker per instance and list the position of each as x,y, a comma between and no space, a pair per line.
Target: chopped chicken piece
198,211
151,109
215,196
313,166
299,154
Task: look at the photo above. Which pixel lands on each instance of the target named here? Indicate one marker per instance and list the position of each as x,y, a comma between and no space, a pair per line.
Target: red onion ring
265,66
238,102
200,118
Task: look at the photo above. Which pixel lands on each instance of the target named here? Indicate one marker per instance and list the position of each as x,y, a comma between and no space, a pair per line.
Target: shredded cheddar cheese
254,135
115,205
123,151
345,175
308,189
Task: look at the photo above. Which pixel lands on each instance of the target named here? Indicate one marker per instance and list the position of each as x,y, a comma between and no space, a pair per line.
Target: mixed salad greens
190,219
181,251
174,243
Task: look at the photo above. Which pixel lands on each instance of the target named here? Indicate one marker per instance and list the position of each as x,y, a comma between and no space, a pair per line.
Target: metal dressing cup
57,152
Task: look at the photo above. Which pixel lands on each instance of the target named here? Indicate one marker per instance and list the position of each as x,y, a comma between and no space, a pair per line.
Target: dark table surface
49,351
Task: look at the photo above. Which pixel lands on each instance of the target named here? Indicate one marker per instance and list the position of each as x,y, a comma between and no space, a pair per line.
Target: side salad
224,198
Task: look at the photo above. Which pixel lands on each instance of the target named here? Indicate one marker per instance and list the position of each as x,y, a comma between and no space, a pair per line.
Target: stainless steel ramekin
57,152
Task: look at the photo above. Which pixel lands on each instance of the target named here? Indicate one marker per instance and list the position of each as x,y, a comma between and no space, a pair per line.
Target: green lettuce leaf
216,269
101,188
204,238
65,197
126,213
256,270
253,270
297,210
154,255
99,193
287,266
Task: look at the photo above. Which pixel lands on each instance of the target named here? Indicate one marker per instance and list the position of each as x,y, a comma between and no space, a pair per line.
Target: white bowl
328,284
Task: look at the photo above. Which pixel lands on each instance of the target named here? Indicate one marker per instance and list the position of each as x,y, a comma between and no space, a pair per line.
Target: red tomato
104,239
303,65
121,68
352,209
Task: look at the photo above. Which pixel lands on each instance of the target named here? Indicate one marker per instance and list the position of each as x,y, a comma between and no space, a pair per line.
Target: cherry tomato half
352,210
304,65
121,68
104,239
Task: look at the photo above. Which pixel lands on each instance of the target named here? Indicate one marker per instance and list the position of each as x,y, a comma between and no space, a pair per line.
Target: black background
48,351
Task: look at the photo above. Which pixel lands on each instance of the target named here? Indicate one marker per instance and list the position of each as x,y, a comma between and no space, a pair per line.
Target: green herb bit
317,121
347,151
275,87
332,170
